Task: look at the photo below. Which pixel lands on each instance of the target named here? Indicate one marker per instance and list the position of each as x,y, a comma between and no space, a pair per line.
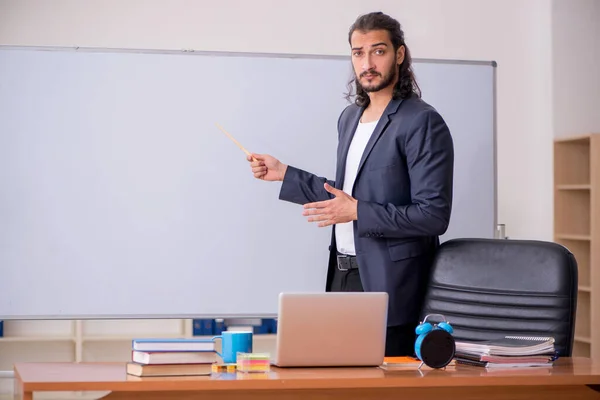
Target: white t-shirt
344,233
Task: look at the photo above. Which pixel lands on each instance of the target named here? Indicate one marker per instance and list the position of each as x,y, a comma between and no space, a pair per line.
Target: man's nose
367,63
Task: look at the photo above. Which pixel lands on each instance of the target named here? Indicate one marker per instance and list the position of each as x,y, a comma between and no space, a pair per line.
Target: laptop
331,329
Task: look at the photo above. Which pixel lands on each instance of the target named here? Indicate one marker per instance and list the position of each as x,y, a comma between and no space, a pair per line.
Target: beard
386,79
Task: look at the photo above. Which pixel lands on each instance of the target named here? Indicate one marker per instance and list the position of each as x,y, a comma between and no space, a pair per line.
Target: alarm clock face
437,348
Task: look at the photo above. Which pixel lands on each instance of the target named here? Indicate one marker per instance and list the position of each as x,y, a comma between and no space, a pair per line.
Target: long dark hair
407,84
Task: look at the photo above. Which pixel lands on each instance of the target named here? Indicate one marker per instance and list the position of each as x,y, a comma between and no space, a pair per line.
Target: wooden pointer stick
236,142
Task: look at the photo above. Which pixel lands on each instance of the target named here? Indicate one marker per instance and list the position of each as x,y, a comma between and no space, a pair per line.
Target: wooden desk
568,379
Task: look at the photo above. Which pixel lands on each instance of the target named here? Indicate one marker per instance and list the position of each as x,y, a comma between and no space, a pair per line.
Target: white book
173,344
174,357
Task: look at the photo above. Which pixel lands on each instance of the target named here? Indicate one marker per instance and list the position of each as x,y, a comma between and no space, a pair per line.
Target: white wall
514,33
576,60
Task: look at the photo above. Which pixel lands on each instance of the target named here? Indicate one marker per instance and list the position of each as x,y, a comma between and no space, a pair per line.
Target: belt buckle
339,267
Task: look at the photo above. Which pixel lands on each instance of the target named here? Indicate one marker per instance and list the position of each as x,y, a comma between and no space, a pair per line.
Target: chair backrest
488,288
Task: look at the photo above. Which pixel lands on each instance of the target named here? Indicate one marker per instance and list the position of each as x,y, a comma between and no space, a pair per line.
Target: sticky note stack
253,362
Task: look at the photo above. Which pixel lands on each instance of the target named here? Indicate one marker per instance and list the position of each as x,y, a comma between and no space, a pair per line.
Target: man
392,195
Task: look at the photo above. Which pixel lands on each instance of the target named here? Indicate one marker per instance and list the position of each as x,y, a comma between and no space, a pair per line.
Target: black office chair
489,288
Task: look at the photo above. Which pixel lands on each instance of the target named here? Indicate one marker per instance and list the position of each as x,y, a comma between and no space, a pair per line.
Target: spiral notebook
509,346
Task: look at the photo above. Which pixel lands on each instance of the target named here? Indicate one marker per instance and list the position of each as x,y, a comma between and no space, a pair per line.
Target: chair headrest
506,265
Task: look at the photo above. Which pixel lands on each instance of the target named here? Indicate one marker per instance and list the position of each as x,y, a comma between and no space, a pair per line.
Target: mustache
370,72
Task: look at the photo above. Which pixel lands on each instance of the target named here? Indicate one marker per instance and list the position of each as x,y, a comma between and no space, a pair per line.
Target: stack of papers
509,351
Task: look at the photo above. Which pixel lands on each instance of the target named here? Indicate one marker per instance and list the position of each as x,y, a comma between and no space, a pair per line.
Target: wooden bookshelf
95,340
577,227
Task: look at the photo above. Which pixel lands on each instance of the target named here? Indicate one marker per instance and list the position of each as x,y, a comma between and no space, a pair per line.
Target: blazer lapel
344,147
391,108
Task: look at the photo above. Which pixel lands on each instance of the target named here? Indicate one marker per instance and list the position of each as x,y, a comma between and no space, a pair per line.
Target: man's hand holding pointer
266,167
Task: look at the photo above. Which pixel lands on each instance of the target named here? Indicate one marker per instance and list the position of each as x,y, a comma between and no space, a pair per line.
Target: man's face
374,60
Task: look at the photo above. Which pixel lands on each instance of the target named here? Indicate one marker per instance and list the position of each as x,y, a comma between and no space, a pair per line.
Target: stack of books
171,357
508,352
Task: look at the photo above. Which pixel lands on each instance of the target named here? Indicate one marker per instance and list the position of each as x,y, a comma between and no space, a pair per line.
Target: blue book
219,326
172,344
270,325
202,327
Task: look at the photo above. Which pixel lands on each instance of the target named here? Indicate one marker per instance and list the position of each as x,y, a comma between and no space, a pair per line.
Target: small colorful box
253,362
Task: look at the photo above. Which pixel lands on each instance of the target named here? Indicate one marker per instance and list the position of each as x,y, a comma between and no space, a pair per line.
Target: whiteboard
121,199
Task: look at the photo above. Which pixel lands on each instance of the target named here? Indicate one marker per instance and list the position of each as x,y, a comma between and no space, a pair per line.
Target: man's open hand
342,208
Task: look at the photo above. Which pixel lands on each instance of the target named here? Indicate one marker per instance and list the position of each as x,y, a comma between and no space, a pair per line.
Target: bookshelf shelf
124,338
12,339
93,340
583,339
128,338
577,227
574,187
564,236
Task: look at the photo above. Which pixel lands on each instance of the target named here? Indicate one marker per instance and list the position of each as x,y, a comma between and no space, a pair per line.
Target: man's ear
400,55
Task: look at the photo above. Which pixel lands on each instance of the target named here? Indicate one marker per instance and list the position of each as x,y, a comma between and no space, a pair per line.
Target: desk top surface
112,376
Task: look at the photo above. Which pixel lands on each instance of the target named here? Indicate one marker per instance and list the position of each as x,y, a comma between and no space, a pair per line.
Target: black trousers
400,339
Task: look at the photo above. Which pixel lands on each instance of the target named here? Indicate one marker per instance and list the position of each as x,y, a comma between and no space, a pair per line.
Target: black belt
346,262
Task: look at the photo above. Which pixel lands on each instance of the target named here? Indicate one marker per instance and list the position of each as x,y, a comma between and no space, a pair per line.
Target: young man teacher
392,196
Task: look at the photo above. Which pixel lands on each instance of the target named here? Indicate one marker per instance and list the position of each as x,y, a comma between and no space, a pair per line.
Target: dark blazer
404,193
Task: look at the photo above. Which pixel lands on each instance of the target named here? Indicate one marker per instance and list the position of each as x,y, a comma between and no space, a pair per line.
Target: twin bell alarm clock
435,345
